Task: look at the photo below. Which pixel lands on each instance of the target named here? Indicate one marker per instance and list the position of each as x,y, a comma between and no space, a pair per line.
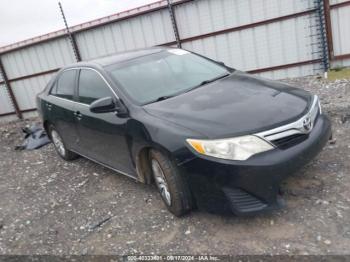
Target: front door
101,135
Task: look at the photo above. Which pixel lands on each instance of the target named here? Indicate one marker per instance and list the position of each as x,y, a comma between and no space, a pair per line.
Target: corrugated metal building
273,38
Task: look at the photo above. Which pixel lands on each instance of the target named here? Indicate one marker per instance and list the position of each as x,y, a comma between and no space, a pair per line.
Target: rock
339,214
345,118
84,251
327,242
333,141
83,183
187,232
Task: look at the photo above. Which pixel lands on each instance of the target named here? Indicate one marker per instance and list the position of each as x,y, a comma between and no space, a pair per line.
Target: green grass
336,73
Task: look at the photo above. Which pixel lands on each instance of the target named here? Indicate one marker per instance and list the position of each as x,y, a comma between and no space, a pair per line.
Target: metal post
324,49
173,21
9,89
71,36
328,27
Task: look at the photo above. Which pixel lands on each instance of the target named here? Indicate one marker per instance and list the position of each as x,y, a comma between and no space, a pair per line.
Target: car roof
120,57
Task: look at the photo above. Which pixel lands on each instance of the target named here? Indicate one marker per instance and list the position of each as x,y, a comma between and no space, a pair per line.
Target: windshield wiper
205,82
161,98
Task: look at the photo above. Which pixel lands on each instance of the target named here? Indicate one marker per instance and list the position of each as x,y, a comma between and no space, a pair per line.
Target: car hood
235,105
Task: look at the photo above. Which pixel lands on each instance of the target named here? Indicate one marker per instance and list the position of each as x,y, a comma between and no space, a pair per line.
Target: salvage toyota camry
205,134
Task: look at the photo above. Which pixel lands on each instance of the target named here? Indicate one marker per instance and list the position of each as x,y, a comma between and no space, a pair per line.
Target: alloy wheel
161,182
57,141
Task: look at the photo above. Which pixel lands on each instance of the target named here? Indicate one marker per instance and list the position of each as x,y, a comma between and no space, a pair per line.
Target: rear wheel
171,185
60,147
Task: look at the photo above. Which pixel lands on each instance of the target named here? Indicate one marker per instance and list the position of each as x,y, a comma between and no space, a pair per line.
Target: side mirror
108,104
103,105
120,109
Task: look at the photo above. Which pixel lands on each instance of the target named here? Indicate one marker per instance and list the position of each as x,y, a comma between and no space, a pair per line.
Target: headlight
238,148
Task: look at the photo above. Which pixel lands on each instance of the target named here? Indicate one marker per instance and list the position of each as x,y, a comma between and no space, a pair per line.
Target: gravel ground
49,206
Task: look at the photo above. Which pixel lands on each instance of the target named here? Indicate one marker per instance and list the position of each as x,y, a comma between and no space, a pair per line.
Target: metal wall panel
143,31
260,47
206,16
341,63
332,2
340,28
5,101
340,20
38,58
304,70
27,89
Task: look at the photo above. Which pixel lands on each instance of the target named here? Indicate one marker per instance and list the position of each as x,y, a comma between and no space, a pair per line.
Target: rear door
61,106
101,135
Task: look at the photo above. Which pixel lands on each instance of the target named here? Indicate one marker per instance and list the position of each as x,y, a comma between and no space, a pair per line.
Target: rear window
64,86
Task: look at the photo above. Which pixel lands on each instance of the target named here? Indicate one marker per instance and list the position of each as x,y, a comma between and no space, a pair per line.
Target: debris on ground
35,137
100,223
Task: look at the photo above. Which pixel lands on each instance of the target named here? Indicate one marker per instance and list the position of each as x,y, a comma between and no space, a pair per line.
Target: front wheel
171,185
60,147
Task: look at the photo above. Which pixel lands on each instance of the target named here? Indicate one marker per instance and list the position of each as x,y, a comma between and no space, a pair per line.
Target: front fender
162,135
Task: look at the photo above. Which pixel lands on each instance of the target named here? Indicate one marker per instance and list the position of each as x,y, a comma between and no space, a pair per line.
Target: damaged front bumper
252,186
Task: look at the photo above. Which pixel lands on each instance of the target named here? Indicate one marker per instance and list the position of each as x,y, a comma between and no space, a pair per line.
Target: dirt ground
49,206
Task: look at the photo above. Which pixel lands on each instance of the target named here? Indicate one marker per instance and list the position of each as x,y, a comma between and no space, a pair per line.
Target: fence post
10,91
75,47
174,24
328,27
71,36
323,37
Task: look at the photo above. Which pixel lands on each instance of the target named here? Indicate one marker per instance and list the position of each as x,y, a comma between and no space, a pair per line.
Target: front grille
289,141
293,133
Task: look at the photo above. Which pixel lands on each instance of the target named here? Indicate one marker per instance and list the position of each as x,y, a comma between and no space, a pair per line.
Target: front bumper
251,186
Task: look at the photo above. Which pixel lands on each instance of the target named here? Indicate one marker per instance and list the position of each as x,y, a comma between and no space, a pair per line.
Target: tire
59,145
174,189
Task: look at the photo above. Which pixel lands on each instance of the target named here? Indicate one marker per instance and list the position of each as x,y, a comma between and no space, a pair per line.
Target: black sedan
207,135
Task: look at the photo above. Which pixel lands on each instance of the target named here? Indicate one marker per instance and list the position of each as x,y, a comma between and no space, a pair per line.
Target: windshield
161,75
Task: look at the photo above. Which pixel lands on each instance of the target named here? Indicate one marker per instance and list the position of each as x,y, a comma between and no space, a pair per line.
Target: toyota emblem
307,124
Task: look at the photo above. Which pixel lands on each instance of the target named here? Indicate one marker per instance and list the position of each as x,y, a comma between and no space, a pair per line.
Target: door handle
49,106
78,115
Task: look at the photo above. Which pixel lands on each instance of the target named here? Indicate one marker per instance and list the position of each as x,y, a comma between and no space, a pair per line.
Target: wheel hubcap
57,141
161,182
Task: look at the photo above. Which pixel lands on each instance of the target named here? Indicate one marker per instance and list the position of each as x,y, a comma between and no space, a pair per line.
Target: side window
64,87
92,87
54,88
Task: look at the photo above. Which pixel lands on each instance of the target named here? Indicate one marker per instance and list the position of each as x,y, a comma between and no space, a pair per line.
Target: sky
23,19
